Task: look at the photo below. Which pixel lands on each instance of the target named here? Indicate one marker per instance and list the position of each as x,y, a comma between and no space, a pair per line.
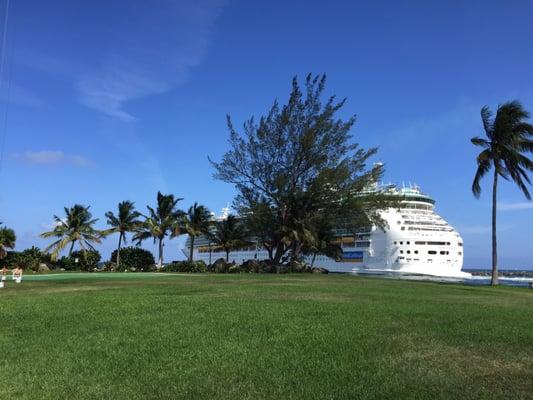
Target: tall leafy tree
76,227
298,160
159,222
505,149
7,240
195,222
229,233
126,220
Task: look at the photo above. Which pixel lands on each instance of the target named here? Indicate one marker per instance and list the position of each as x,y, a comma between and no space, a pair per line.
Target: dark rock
221,266
251,266
43,268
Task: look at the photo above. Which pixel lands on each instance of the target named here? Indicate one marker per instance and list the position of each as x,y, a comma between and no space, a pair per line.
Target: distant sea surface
511,272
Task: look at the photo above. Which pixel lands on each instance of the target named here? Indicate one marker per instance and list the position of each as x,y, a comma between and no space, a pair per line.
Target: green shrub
9,260
235,269
186,266
29,259
134,259
87,260
66,263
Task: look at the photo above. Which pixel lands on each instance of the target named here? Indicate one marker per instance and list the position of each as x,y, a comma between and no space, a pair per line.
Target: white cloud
51,225
52,157
156,56
515,206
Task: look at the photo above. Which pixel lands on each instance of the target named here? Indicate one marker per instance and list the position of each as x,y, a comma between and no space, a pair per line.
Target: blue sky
107,101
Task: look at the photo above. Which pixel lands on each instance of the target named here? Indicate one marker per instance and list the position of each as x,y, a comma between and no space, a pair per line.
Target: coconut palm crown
127,220
229,233
159,222
195,222
76,227
505,148
7,240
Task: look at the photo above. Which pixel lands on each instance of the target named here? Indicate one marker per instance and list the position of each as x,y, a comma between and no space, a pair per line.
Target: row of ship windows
443,253
441,229
430,243
429,260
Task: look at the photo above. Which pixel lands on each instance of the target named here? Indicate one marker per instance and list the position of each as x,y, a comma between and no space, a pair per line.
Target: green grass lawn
158,336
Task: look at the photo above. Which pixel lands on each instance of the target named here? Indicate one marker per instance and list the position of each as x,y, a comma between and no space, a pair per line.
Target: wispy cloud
515,206
156,56
52,157
424,132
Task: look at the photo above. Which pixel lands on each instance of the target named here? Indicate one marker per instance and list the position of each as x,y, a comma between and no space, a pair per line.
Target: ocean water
473,281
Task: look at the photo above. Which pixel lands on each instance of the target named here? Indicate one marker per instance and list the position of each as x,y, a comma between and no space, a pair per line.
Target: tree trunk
277,257
296,251
191,249
313,260
118,250
210,252
227,255
160,261
494,280
269,250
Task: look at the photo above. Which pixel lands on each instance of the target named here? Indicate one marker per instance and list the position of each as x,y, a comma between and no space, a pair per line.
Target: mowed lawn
172,336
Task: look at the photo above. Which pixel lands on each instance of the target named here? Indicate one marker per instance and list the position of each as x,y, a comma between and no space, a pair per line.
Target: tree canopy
7,240
296,161
160,222
76,227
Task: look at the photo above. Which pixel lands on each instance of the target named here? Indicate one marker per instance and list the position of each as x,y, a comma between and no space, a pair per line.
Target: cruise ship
415,241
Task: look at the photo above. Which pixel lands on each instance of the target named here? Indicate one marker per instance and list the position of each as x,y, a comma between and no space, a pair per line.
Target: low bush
185,266
220,266
86,260
66,263
29,259
134,259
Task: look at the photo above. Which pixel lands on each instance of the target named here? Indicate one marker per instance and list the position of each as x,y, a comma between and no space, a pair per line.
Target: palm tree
127,220
160,222
228,233
505,148
76,227
195,222
319,238
7,240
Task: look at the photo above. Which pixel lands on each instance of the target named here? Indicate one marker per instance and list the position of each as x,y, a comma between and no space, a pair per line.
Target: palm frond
486,117
484,162
480,142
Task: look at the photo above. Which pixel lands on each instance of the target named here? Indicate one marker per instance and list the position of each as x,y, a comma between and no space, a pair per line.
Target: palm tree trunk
227,255
118,250
313,260
494,280
191,249
160,261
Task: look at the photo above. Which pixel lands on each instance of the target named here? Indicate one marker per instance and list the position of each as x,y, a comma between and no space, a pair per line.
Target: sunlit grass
137,336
